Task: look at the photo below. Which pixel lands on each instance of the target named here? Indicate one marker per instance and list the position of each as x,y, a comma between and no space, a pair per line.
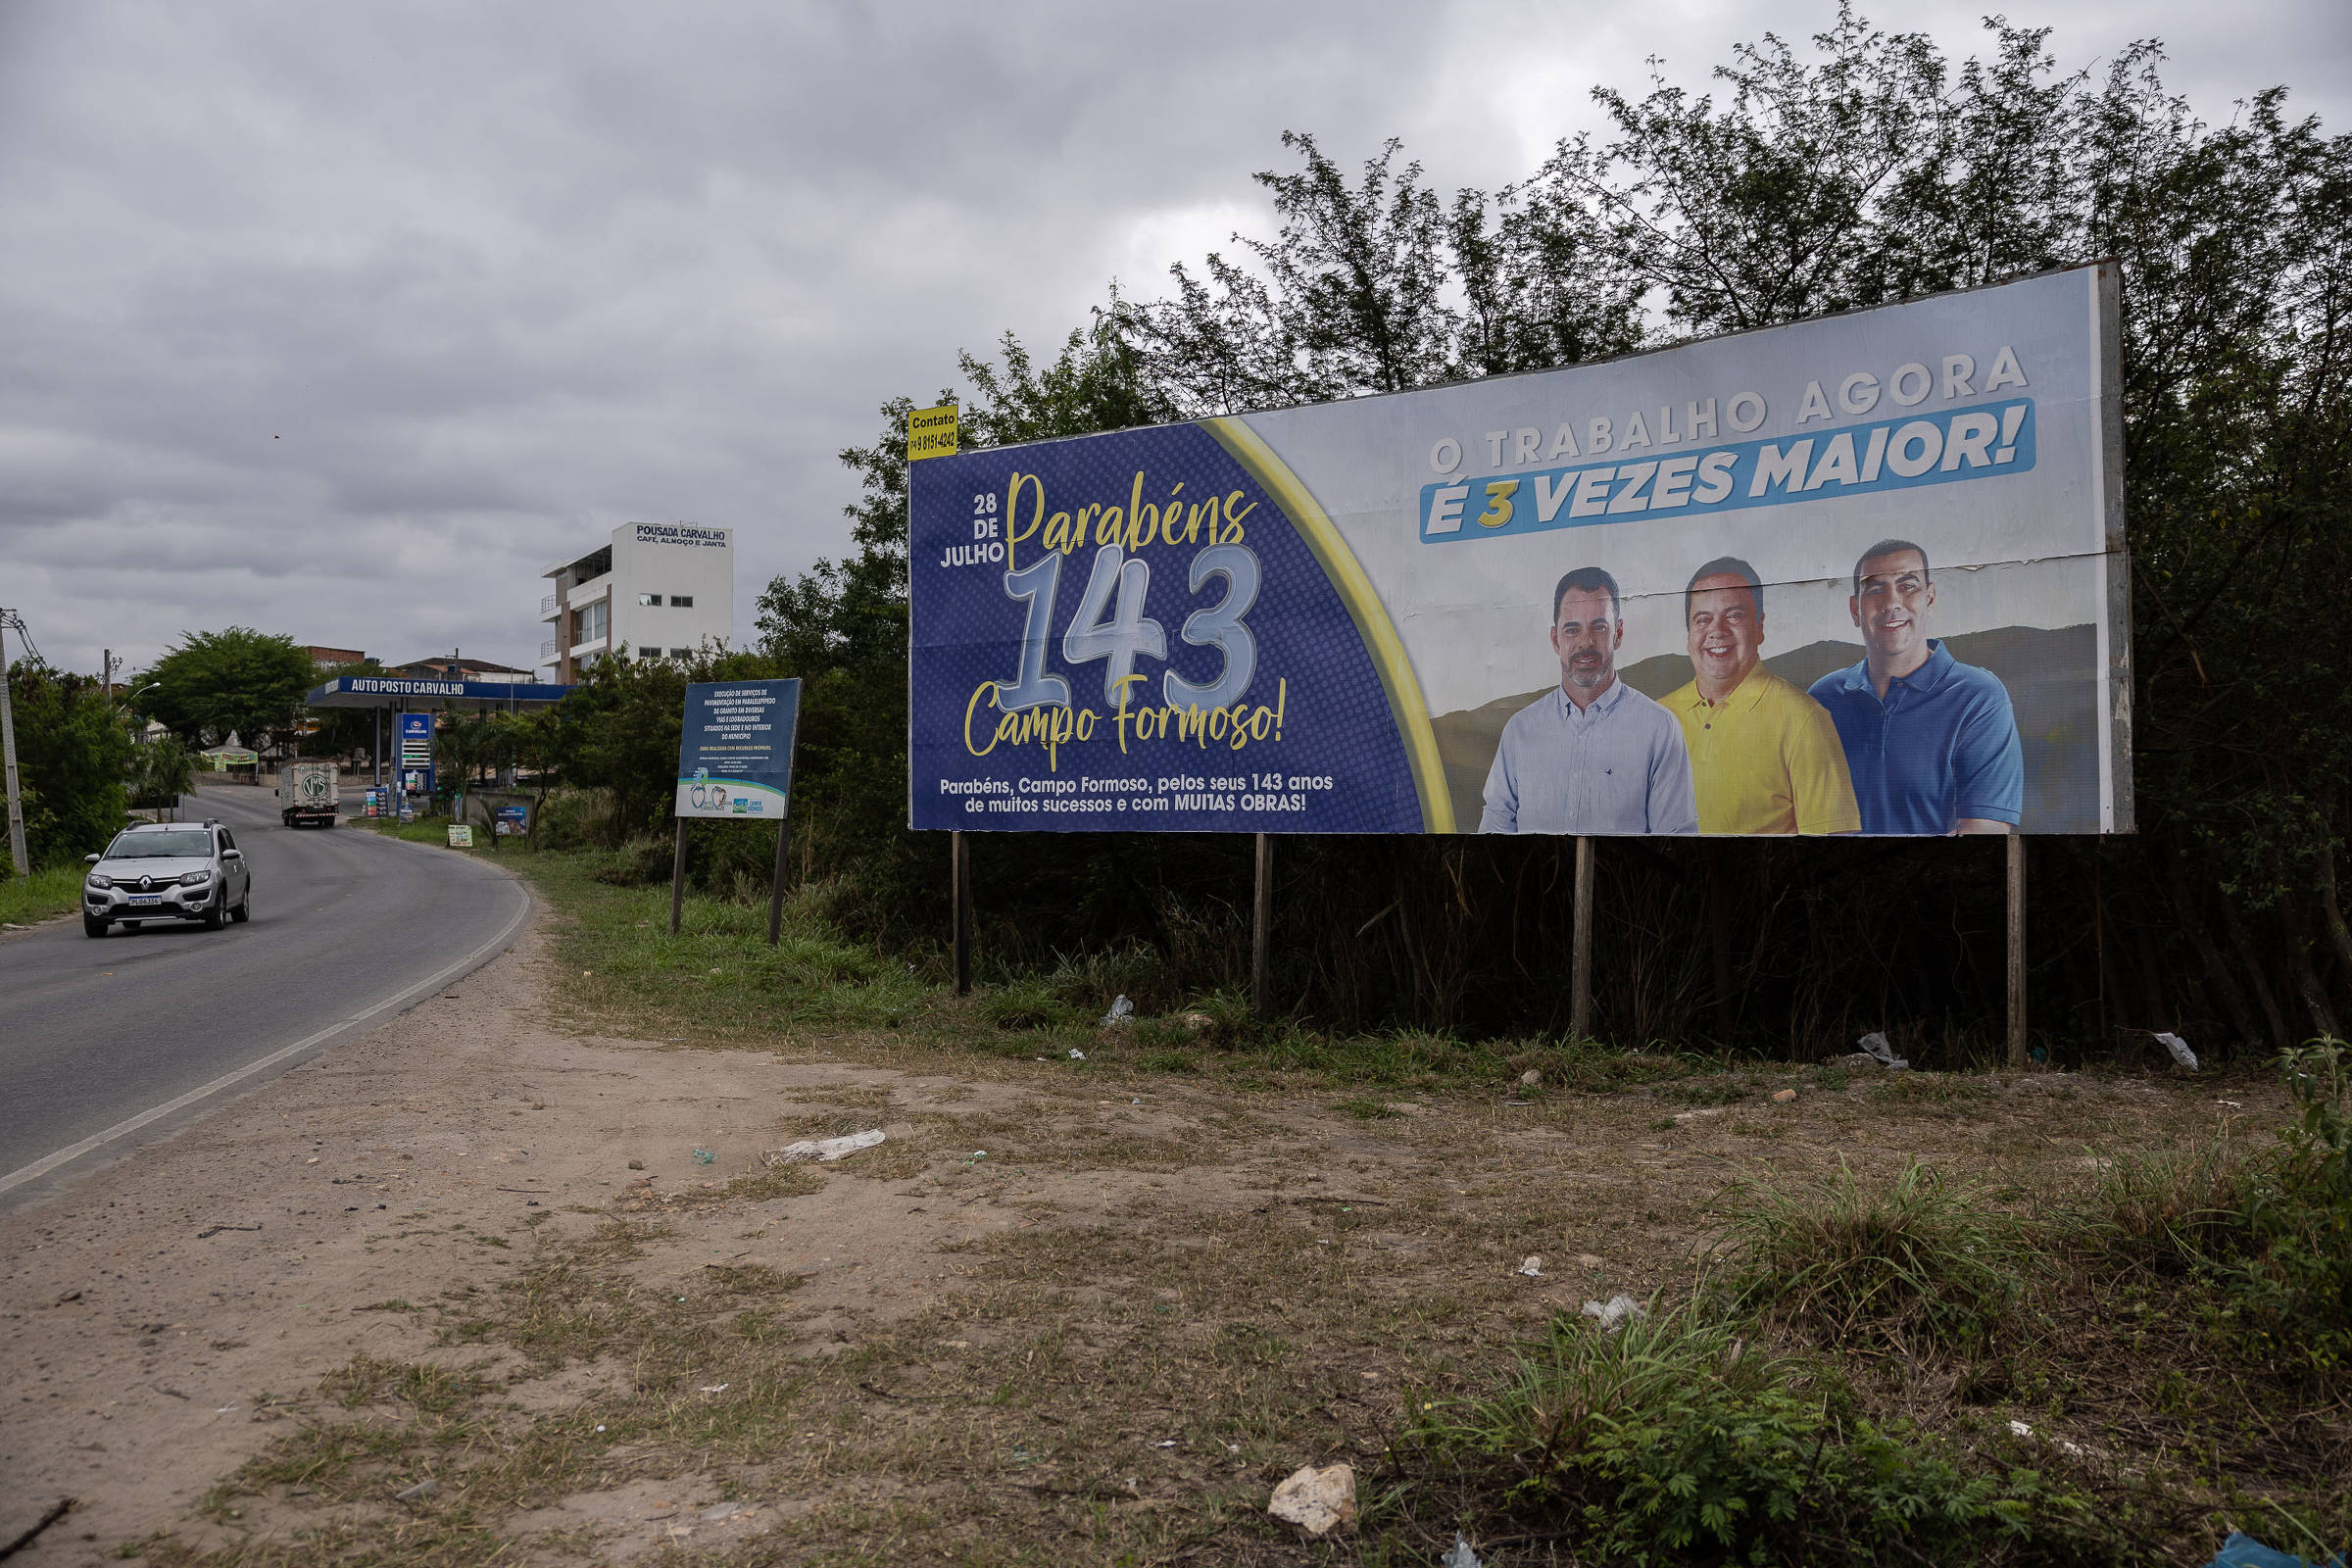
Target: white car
166,871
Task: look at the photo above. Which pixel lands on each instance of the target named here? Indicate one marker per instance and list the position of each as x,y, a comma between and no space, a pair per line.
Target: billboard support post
1261,920
677,878
2017,951
775,886
1580,980
959,896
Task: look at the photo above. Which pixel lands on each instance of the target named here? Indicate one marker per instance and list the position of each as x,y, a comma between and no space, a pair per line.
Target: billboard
735,750
1863,573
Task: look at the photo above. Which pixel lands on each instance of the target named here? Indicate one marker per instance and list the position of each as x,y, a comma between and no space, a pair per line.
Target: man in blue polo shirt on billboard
1932,743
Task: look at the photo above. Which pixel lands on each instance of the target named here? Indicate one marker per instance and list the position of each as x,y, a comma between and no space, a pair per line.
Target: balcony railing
547,605
547,649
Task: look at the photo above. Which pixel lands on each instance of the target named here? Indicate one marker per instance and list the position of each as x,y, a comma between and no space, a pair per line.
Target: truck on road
309,793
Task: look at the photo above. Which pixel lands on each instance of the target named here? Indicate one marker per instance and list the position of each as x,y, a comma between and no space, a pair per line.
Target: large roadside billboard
1857,575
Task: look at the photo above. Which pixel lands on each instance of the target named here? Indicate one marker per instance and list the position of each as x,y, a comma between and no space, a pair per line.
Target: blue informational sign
735,752
415,756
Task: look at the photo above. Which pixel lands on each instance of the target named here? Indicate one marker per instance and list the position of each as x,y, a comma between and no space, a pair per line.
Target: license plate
151,898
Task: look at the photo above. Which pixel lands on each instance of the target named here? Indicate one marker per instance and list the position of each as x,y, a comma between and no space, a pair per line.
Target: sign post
1261,919
2017,952
735,762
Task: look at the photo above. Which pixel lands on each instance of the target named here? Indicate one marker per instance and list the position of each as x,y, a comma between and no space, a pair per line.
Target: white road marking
42,1168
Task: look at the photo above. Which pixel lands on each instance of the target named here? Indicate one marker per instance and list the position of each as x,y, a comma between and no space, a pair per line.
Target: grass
24,899
1916,1263
717,983
1679,1438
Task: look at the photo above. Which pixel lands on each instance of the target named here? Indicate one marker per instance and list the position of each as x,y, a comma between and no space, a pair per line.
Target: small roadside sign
735,749
931,432
461,836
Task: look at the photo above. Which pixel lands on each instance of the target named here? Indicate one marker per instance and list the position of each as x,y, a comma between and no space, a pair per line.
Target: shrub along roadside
1676,1439
1925,1262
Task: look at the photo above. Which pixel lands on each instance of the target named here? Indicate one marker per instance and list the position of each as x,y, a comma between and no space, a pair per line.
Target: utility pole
18,855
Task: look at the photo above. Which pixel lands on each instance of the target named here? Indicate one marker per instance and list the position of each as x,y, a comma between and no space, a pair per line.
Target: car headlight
195,879
98,881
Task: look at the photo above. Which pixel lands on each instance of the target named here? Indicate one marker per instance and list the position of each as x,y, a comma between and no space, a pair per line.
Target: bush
2297,1282
1674,1441
1921,1259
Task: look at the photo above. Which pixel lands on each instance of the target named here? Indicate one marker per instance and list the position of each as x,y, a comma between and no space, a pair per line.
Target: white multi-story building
660,590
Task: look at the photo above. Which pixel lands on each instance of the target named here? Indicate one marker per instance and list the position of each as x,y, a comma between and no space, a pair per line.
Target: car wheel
244,909
92,926
216,916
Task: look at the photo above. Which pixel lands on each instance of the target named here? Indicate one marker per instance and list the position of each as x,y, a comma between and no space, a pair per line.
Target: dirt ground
1059,1310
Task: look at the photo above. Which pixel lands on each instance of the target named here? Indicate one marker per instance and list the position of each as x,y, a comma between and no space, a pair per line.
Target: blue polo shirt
1942,746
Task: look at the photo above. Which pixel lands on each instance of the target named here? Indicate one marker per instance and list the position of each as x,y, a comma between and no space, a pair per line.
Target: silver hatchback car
166,871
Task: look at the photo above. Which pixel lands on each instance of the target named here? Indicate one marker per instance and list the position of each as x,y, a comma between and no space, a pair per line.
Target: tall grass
1916,1262
1677,1441
26,899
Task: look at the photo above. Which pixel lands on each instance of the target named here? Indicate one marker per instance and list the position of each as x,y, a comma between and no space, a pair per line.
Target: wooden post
1580,981
1261,920
775,886
959,860
2017,951
677,878
1719,939
2098,932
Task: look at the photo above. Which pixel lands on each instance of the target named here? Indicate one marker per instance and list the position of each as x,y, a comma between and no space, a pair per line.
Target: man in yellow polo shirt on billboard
1764,756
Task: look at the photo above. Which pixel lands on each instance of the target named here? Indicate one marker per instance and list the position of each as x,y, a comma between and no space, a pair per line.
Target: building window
680,601
589,622
649,652
649,598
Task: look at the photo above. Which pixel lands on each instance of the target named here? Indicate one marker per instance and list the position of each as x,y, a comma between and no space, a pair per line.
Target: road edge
358,1024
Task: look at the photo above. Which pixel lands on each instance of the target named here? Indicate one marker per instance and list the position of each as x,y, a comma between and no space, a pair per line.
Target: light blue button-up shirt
1618,765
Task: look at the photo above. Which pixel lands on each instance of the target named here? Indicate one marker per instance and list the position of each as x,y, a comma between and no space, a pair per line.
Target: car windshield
160,846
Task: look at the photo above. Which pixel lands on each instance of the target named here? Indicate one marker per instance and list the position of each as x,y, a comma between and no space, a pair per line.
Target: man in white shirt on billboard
1593,755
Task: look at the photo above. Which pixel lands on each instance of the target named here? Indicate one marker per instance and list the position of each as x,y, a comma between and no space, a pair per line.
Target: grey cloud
343,322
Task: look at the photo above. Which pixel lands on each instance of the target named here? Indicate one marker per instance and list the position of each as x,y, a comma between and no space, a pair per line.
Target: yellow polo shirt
1766,760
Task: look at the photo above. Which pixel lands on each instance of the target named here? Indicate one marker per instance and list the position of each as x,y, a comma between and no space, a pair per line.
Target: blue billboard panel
1860,574
735,752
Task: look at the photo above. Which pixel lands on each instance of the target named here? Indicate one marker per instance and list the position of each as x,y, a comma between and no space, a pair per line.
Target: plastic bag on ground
1461,1556
824,1148
1121,1011
2244,1552
1875,1047
1616,1314
2179,1050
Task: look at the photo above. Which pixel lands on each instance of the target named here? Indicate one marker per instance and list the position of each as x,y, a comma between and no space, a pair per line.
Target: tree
161,771
72,755
212,683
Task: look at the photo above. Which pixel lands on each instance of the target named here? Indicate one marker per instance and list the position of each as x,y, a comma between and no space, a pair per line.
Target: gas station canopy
403,691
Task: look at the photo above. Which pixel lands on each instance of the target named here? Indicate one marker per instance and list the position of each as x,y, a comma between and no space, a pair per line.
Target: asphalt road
108,1045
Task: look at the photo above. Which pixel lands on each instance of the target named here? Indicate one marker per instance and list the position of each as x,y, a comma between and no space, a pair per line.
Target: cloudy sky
344,322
